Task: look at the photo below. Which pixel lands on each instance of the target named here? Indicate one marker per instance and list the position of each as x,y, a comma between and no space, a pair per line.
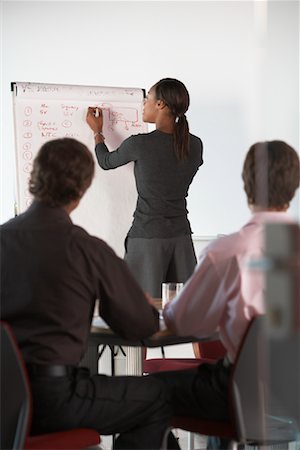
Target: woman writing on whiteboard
158,245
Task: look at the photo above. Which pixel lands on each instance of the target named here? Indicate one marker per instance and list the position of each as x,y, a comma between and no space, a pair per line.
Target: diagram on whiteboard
44,112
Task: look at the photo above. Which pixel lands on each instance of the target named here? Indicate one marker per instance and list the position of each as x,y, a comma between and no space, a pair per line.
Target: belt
50,370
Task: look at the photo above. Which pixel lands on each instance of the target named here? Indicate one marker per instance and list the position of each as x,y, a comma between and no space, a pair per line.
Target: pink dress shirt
224,294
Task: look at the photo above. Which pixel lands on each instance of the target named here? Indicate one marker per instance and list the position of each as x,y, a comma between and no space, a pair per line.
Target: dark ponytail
181,137
175,95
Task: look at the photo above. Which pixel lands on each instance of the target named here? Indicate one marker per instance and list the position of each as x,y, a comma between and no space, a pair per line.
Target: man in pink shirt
223,294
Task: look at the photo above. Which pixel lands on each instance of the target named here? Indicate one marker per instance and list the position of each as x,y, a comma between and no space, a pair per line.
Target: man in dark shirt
51,274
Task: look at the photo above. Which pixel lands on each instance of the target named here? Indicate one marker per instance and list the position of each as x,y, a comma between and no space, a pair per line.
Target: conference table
102,337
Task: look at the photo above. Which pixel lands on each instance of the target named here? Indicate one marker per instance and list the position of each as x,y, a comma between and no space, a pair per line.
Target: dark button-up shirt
52,271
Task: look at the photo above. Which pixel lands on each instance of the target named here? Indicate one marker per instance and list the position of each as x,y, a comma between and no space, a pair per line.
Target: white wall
239,60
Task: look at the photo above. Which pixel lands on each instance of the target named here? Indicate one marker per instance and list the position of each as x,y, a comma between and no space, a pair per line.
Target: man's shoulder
240,246
6,225
88,241
14,222
226,247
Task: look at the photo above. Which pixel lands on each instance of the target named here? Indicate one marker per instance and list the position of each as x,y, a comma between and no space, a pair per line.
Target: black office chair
16,408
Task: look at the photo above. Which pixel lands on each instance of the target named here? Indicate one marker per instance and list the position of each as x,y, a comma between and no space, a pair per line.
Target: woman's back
162,184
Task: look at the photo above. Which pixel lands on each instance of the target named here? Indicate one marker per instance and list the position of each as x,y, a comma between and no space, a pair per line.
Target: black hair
175,95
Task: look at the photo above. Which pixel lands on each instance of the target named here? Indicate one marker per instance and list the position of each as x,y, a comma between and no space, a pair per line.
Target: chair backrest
258,415
211,350
15,393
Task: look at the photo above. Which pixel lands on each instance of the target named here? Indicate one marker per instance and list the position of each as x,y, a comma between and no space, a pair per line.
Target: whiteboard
48,111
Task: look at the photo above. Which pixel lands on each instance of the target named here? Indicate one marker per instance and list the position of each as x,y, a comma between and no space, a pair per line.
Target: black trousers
156,261
201,392
136,408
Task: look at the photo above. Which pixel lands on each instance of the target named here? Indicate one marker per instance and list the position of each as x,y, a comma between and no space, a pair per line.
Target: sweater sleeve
127,152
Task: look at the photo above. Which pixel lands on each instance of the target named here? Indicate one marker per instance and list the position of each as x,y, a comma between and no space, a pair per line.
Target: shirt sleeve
199,307
127,152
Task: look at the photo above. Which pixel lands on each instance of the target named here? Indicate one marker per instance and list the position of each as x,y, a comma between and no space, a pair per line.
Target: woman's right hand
94,118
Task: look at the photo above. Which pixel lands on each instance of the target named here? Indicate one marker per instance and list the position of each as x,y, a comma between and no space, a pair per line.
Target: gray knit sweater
162,181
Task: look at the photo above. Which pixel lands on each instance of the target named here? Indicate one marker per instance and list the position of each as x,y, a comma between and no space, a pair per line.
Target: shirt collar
53,212
270,216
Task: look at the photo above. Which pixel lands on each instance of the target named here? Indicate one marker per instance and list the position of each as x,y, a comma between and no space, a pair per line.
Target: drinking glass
169,291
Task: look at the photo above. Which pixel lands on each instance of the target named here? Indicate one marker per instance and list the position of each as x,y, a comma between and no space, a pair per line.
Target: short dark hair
62,171
271,174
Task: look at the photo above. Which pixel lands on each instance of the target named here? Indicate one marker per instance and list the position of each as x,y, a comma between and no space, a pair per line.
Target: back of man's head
271,175
62,171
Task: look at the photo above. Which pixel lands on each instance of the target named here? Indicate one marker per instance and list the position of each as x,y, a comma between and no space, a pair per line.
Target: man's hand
150,299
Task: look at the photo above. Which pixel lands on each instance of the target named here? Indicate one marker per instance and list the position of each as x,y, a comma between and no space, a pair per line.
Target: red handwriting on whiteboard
43,109
27,155
47,129
27,146
28,111
73,135
27,167
126,117
67,123
68,110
